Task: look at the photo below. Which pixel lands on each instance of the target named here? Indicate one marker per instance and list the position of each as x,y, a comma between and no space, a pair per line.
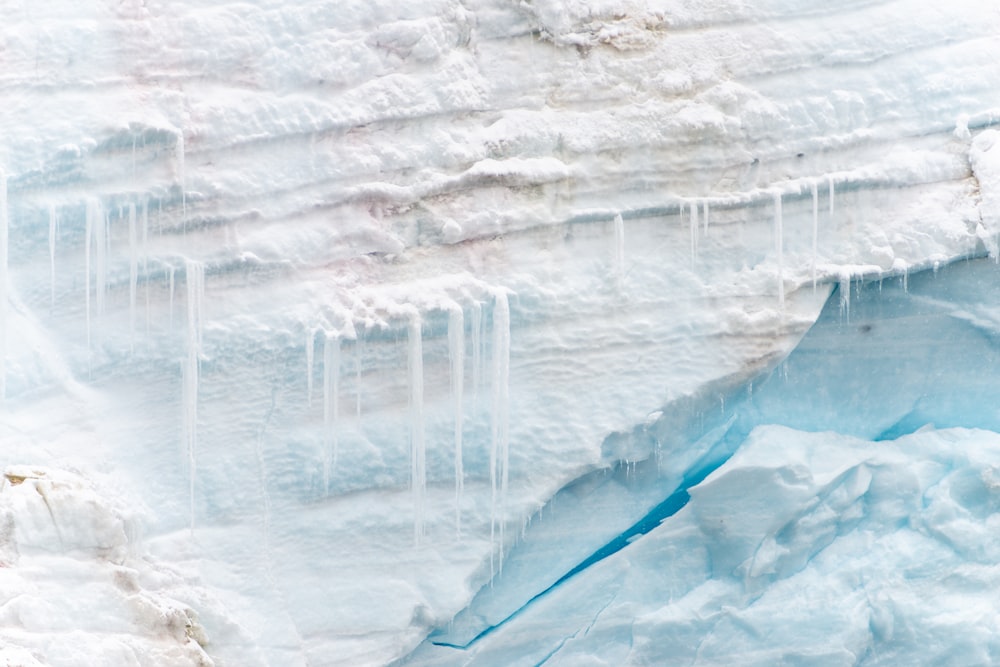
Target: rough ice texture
804,548
341,168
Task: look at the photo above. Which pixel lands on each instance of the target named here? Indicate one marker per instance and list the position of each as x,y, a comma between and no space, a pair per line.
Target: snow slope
342,293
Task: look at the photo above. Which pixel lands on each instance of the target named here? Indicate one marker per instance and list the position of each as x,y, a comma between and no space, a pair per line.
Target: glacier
352,333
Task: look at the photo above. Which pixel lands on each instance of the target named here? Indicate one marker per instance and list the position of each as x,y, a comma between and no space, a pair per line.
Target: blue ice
908,358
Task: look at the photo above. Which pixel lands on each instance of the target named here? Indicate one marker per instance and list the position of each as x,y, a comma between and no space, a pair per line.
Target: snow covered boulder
55,511
73,590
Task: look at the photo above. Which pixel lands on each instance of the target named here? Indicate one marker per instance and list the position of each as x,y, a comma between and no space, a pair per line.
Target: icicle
500,455
830,179
262,485
195,278
456,355
101,260
133,273
359,349
477,346
171,298
704,215
4,278
694,232
107,248
331,405
52,256
93,213
310,350
619,251
181,177
418,474
815,197
190,417
779,244
145,255
845,296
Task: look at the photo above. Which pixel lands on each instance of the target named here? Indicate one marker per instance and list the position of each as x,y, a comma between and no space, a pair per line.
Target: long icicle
331,406
619,252
133,273
476,327
418,473
815,230
100,259
195,277
52,255
694,232
500,419
456,356
145,256
359,357
182,177
779,243
845,295
310,352
830,179
93,213
171,281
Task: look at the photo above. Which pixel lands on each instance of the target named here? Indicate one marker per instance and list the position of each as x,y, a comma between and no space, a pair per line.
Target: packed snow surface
308,310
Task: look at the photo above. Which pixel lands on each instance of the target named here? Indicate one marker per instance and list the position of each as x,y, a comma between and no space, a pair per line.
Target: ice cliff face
342,293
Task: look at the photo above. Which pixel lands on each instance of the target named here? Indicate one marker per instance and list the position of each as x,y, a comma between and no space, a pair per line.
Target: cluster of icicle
97,252
702,205
499,404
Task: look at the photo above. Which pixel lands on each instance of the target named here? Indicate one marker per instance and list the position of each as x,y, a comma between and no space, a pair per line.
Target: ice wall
201,198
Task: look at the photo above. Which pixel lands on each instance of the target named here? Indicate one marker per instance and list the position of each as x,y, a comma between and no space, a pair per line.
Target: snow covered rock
71,585
53,511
